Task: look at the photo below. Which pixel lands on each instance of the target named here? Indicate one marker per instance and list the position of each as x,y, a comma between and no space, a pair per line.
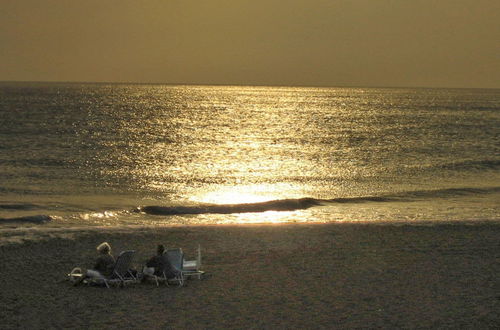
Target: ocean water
133,154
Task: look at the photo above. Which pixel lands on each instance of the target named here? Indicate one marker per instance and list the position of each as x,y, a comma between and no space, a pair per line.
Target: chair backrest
123,263
176,257
198,258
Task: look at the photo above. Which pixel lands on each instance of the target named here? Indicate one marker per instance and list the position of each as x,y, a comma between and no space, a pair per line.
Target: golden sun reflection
241,194
248,194
266,217
231,197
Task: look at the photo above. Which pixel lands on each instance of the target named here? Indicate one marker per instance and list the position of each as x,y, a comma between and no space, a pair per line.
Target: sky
372,43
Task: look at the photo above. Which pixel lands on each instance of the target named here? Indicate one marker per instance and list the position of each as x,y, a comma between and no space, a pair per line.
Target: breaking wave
476,165
274,205
28,219
305,203
18,206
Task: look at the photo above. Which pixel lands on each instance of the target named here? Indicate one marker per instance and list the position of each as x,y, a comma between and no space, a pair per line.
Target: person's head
104,248
160,249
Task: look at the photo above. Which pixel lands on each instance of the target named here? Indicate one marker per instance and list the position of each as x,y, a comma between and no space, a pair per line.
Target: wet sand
267,276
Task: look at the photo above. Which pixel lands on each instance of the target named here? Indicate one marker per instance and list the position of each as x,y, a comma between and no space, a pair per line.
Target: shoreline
20,234
304,275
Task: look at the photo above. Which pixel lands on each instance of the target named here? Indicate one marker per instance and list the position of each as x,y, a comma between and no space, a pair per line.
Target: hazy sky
433,43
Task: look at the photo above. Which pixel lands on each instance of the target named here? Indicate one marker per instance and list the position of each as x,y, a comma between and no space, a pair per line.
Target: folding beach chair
167,273
193,267
176,258
121,272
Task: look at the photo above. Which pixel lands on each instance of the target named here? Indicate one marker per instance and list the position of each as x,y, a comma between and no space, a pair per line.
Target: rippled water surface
94,153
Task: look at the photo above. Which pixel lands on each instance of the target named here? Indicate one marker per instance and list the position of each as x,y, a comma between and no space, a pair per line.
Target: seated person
104,264
160,264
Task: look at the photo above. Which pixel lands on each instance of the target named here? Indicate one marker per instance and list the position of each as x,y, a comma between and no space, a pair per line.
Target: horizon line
232,84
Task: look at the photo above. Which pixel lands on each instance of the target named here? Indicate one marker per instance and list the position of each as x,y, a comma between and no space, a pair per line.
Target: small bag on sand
75,274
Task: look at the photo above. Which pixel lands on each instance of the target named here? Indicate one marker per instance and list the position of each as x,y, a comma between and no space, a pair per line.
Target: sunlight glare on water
103,150
237,194
235,148
267,217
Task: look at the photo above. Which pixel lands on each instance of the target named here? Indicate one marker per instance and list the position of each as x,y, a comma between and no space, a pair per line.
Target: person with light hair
105,262
103,266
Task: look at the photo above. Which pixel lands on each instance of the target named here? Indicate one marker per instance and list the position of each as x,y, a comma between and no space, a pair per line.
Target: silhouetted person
160,264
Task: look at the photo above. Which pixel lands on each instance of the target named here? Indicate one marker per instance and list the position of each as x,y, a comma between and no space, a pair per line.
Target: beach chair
160,275
123,270
176,258
121,274
193,267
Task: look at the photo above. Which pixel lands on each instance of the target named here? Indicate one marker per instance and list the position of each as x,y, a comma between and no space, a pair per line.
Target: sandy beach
266,276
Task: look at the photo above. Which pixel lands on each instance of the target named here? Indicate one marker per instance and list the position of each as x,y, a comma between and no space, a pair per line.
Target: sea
78,155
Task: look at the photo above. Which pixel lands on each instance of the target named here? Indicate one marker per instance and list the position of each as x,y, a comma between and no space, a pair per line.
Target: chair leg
179,279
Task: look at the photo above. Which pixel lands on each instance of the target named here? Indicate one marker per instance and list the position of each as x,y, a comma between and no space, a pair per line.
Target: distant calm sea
94,154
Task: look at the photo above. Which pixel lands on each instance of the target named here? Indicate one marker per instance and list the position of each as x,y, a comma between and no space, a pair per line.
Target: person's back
161,264
104,264
156,262
169,270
